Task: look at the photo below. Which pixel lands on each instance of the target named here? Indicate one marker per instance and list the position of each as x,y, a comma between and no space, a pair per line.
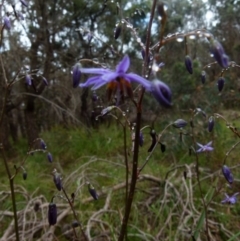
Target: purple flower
205,148
188,64
219,54
76,75
161,92
52,214
92,191
230,199
24,3
7,23
227,174
117,79
210,123
220,83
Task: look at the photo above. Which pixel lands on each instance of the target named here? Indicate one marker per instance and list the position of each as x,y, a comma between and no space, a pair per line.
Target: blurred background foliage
56,34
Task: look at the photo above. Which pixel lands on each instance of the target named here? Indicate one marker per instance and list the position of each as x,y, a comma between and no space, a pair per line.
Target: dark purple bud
219,54
154,140
57,180
43,144
75,224
36,206
7,23
188,64
117,31
92,191
52,214
28,80
227,174
203,76
141,139
49,157
76,75
179,123
94,97
160,9
210,123
45,81
163,147
220,83
161,92
24,3
24,175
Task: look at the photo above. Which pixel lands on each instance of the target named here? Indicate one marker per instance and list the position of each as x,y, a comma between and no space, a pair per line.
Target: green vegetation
165,204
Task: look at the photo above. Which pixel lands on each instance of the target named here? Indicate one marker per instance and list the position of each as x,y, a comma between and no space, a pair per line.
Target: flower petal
123,66
99,84
140,80
90,81
110,76
95,71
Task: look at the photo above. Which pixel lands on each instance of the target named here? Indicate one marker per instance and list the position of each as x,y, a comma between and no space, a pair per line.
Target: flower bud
75,224
92,191
24,175
49,157
7,23
220,83
203,76
210,123
43,144
45,81
76,75
188,64
57,180
52,214
179,123
219,54
161,92
161,10
117,31
163,147
154,140
227,174
28,80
